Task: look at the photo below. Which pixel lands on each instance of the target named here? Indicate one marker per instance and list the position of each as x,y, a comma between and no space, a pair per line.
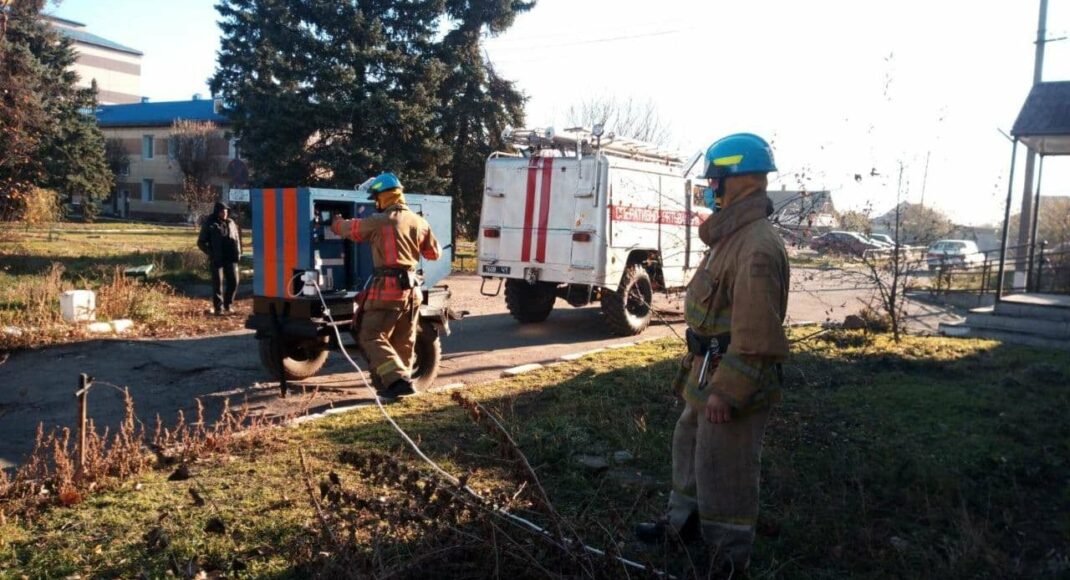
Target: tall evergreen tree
48,135
328,92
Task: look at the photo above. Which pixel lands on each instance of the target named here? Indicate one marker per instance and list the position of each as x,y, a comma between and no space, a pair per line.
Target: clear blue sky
810,75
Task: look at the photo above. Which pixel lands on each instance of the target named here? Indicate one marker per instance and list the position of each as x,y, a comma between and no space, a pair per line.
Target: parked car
883,238
953,254
850,243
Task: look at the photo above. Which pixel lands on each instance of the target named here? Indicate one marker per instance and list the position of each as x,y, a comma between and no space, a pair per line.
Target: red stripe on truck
544,207
529,209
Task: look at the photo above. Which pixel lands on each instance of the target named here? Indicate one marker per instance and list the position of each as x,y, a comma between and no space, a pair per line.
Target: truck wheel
628,310
427,354
301,357
529,302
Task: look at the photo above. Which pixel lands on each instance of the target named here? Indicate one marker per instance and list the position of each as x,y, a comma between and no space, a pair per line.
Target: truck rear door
531,203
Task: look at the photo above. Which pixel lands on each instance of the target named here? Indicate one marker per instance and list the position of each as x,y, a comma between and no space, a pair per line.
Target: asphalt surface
165,376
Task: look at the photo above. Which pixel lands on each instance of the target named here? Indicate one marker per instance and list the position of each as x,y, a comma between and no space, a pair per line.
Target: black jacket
221,240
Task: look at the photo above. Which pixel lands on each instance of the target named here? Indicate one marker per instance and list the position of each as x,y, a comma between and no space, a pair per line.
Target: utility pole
925,180
1025,225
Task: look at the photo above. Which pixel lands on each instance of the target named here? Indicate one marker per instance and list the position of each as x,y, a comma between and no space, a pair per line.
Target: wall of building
161,169
118,74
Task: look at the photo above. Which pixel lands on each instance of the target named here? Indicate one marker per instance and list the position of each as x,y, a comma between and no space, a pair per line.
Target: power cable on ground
501,512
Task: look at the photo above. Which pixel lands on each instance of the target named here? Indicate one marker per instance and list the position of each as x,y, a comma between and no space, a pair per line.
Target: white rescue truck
582,217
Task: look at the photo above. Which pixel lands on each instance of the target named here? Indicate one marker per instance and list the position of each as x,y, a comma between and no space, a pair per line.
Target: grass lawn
39,263
935,458
465,257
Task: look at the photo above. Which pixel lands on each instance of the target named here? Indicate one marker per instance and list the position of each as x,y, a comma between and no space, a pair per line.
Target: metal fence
1047,270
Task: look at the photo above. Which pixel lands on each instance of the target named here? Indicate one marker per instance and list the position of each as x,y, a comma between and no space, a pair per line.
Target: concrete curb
519,370
578,355
450,387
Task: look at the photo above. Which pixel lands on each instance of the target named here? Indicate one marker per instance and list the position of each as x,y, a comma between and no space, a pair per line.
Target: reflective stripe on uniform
734,523
386,289
734,362
695,315
386,368
354,231
756,374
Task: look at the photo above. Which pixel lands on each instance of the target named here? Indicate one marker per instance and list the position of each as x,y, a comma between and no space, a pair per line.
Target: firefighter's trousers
715,472
387,336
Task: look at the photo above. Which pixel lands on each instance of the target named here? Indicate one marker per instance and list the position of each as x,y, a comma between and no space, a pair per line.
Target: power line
641,28
592,41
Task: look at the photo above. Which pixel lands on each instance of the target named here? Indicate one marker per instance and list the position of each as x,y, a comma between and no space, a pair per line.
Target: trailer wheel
301,357
427,354
529,302
628,309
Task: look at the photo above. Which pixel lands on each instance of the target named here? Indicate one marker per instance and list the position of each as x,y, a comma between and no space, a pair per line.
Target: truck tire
302,357
529,302
628,309
427,354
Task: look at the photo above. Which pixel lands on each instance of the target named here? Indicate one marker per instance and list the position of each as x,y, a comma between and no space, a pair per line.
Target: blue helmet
385,182
737,155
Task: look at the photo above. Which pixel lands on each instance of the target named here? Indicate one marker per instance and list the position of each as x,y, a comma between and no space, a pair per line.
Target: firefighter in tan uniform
398,237
730,378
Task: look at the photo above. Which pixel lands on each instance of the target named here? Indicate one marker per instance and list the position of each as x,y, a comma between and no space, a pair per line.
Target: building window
172,148
146,190
147,147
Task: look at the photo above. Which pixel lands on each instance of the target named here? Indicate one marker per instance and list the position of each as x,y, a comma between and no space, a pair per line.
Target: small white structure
78,305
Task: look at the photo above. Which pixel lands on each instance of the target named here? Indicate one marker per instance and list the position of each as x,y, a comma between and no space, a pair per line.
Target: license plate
491,269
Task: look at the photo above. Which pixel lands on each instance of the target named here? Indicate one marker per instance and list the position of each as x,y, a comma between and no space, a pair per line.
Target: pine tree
48,135
331,93
476,105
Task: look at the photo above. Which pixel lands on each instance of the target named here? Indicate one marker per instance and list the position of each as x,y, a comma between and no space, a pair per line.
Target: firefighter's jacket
398,237
741,289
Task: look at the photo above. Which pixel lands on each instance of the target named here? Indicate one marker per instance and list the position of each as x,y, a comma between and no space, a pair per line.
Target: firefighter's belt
699,345
390,272
407,279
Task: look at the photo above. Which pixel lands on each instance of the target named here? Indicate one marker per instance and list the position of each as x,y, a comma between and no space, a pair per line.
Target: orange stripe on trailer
270,233
289,236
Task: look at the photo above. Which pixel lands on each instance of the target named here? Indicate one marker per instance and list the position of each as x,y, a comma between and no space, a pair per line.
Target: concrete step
1047,328
962,330
1032,311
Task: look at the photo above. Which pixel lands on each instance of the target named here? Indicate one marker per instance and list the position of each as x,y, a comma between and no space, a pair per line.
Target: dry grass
30,313
930,458
51,475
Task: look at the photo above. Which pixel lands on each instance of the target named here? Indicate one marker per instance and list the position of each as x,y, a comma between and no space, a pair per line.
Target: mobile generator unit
293,244
584,218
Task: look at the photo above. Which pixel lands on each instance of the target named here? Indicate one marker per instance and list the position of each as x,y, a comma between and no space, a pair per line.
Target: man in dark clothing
220,239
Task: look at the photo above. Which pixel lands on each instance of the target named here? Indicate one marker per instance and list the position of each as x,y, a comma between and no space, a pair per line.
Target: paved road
165,376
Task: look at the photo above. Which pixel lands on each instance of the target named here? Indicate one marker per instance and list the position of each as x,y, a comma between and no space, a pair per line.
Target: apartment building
152,184
115,68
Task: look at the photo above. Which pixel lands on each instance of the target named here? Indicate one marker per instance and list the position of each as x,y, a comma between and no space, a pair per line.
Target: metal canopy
1043,124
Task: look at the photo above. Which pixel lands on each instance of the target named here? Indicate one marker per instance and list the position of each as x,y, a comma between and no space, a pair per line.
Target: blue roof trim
89,38
161,114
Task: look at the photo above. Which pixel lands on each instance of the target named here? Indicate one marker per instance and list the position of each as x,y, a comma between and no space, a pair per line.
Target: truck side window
698,199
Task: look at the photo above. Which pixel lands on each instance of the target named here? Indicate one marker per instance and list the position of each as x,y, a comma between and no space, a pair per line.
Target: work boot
399,388
661,530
